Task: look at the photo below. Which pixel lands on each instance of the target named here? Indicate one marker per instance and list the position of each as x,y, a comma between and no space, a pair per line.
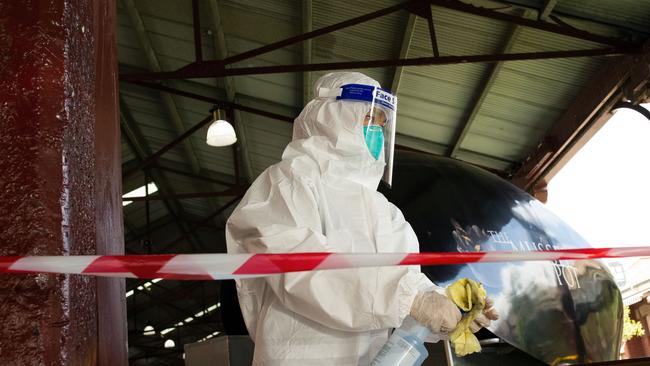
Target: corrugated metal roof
623,19
433,100
250,25
631,14
374,40
285,10
527,97
524,99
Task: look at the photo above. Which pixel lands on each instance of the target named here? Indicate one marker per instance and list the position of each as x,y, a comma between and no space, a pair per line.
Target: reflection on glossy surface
560,312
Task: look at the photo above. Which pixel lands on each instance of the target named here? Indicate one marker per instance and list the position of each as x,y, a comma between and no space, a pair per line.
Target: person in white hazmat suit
322,197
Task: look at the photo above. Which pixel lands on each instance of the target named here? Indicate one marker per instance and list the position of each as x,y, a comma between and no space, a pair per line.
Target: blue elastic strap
368,93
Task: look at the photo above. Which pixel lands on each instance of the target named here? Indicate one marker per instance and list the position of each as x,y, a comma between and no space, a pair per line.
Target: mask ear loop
372,108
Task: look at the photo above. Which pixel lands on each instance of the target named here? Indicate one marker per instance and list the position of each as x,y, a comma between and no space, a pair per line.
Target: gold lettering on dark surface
473,238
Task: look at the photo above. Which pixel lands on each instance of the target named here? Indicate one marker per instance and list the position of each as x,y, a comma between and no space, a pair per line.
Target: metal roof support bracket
588,112
546,10
206,99
423,10
209,69
409,30
432,32
153,157
217,68
541,25
318,32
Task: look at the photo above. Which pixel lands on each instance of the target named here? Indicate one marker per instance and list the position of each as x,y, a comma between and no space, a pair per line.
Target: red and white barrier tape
228,266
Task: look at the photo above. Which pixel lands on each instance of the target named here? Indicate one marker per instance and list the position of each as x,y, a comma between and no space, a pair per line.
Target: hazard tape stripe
274,263
140,266
7,262
224,266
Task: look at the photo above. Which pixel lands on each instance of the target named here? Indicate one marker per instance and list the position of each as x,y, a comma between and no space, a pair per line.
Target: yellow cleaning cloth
468,295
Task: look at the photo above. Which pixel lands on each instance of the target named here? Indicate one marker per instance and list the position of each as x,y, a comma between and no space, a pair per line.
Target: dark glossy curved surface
559,312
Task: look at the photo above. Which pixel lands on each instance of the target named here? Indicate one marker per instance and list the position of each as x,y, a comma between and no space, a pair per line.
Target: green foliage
631,328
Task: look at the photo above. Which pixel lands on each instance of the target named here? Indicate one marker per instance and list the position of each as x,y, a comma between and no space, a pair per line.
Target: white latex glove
487,316
435,311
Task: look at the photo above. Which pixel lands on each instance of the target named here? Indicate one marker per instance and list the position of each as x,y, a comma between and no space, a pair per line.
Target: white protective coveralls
322,197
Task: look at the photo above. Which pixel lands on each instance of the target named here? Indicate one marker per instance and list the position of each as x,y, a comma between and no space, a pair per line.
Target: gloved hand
486,317
435,311
470,296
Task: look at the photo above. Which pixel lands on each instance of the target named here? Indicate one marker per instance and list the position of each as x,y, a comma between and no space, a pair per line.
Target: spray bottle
405,347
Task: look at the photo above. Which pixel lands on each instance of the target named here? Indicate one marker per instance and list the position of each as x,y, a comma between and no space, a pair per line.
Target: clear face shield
379,121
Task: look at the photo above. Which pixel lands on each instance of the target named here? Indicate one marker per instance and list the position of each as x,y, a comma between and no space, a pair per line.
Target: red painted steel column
111,303
59,180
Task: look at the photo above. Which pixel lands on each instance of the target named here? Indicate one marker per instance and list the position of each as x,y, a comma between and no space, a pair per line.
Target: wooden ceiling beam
623,77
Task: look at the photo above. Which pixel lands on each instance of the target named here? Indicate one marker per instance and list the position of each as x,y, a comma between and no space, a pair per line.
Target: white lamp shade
148,330
170,343
221,133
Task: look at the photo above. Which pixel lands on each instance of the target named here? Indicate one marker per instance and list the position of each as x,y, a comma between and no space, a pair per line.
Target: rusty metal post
60,182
